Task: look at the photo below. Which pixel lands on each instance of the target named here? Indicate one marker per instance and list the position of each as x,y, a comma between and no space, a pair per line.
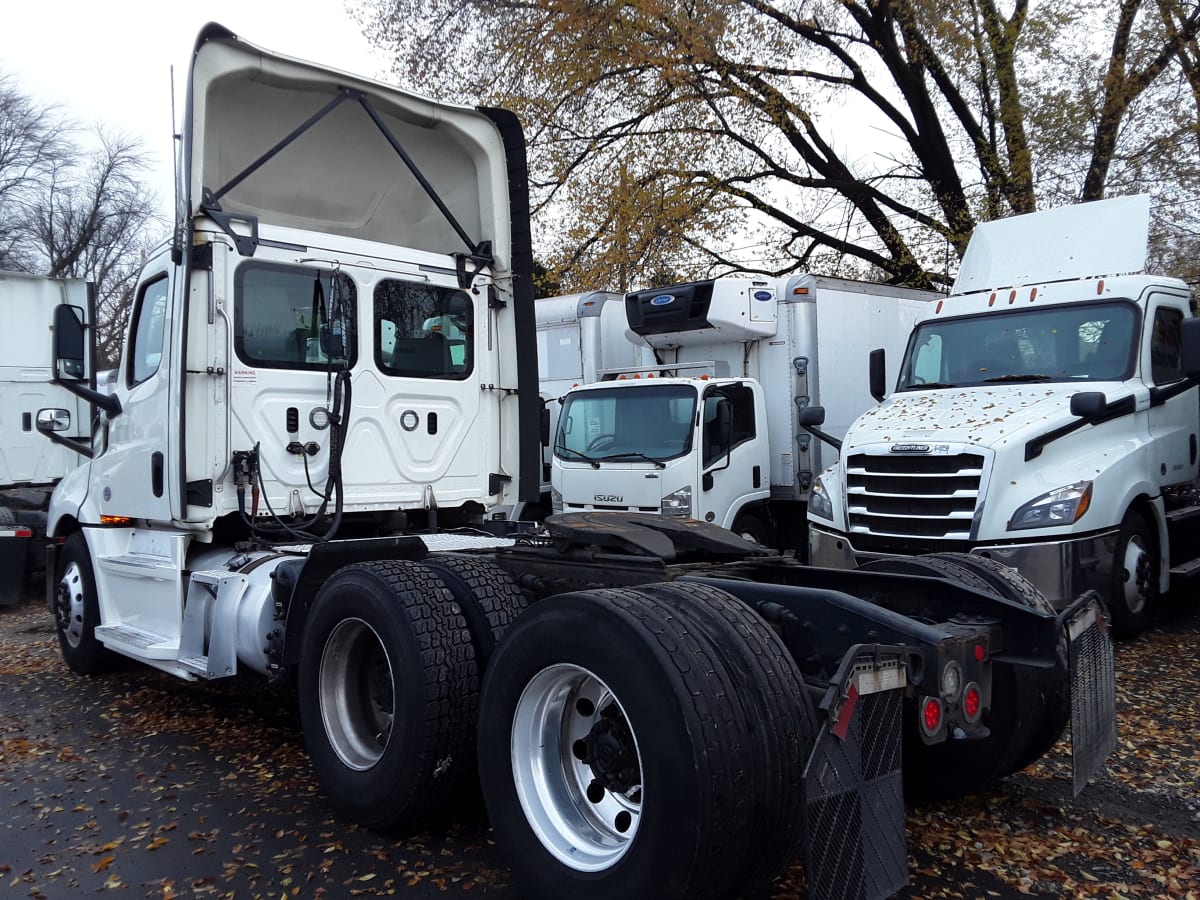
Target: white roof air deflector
1105,237
293,144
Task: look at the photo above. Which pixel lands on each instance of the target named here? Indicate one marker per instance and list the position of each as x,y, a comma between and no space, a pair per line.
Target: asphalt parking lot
144,785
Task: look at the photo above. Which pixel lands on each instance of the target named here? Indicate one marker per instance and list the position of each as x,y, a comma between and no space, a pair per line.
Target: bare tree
74,204
800,134
33,143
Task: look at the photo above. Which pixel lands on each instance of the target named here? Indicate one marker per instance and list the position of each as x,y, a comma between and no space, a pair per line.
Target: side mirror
544,426
1189,348
877,374
1088,404
53,420
69,344
810,416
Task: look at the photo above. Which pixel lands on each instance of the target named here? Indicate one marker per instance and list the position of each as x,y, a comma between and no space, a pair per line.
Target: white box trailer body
771,346
1044,416
30,465
26,380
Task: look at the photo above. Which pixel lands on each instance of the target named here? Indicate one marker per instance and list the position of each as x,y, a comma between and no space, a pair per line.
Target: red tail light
972,703
931,715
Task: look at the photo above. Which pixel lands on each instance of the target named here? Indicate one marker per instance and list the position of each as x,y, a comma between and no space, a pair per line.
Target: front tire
614,751
77,611
1133,584
388,693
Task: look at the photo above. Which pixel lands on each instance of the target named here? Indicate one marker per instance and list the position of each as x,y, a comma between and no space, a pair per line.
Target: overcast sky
110,63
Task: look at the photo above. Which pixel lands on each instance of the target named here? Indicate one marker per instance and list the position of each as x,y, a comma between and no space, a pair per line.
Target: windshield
630,422
1080,342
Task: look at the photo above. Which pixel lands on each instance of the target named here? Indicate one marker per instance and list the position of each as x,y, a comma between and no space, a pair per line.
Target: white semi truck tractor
1045,416
292,479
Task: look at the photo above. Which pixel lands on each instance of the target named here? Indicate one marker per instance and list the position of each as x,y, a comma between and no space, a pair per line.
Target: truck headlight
819,504
555,501
678,503
1061,506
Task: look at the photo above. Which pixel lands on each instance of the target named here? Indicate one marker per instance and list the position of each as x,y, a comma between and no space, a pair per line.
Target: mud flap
854,799
1093,693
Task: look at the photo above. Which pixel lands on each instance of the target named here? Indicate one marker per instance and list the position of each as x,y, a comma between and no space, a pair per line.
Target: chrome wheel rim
1136,567
577,768
71,604
357,694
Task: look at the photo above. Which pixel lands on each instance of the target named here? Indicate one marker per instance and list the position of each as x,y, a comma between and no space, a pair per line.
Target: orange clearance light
992,299
114,520
1033,295
704,378
620,378
800,290
1100,286
937,309
1012,296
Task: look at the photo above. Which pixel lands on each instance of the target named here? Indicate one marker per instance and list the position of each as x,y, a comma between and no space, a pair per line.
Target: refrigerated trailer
653,707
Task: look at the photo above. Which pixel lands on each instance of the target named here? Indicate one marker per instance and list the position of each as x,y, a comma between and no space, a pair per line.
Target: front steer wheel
614,751
388,693
77,611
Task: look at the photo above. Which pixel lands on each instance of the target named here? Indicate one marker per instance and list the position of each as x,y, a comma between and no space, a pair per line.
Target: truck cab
1044,416
324,347
692,447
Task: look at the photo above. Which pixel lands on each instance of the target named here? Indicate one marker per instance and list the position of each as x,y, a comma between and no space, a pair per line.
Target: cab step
211,604
1186,569
137,642
1183,514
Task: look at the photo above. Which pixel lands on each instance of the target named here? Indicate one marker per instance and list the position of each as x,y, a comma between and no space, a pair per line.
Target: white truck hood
980,416
340,175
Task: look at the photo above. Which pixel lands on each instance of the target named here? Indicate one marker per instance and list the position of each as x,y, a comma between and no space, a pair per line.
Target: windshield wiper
636,455
1017,378
562,449
928,384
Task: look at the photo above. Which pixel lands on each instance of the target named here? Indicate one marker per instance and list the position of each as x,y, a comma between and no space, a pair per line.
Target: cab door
734,457
133,473
1173,398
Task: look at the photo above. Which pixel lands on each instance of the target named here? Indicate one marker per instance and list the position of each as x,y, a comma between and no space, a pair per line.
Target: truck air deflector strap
1114,410
529,403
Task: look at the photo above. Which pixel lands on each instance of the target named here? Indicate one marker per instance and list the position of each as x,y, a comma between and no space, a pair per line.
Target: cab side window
1166,364
422,330
741,408
148,331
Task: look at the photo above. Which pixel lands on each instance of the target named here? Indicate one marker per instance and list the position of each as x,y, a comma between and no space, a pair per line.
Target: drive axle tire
388,693
1019,717
77,611
488,597
614,751
1133,585
772,686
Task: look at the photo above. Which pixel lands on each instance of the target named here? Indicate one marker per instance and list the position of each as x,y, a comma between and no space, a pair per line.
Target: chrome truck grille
925,496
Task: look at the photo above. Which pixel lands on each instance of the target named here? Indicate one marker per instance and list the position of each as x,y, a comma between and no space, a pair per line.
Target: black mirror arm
107,402
70,443
822,436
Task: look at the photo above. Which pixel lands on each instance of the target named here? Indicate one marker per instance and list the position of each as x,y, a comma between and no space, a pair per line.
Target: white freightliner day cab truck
30,465
1044,416
737,356
653,707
